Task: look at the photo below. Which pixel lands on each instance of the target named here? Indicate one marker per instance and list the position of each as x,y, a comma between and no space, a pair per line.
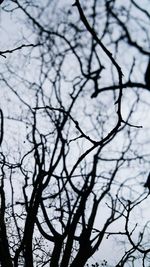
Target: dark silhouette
147,75
69,164
147,184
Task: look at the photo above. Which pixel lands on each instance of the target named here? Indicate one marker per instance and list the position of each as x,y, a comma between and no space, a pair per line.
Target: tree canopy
74,133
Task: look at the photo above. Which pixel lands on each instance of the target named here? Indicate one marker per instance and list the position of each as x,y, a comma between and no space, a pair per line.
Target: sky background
11,31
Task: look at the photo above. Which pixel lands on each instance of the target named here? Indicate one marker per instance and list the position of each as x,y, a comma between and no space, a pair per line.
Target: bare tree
74,156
